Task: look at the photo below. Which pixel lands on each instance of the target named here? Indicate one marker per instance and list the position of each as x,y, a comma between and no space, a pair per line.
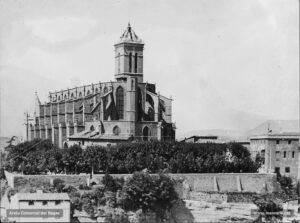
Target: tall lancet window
119,65
135,62
120,102
130,62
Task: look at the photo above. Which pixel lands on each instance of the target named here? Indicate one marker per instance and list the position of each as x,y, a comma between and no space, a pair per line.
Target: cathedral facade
127,109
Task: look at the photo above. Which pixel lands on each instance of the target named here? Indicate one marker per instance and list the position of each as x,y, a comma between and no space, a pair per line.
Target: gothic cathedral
127,109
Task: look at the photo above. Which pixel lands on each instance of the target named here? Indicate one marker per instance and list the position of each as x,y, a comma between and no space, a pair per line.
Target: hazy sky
228,64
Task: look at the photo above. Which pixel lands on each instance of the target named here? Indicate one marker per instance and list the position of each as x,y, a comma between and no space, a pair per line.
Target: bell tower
129,56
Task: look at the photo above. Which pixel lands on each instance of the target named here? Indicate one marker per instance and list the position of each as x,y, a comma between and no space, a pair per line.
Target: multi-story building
108,112
39,207
280,152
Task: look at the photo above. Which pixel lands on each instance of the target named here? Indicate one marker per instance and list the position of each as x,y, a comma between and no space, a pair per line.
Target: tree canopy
41,156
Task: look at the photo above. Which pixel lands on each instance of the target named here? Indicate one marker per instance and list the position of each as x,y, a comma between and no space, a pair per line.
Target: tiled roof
43,196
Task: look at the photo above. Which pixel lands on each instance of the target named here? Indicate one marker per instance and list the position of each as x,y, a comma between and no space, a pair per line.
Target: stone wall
227,182
230,182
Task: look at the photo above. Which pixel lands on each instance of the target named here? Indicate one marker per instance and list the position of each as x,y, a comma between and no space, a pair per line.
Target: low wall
230,182
217,182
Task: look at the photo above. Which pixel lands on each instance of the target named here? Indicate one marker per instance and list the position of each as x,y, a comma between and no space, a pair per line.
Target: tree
72,159
95,158
154,193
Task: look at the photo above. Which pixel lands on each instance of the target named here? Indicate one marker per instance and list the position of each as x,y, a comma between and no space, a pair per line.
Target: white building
39,207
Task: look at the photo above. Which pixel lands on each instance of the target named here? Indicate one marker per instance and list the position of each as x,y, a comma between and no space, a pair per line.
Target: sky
228,64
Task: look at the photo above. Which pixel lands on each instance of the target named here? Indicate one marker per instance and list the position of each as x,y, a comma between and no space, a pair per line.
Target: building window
80,94
284,154
57,202
92,128
120,102
88,92
66,97
45,202
116,130
277,142
289,142
30,203
287,169
277,155
130,62
135,62
277,170
293,154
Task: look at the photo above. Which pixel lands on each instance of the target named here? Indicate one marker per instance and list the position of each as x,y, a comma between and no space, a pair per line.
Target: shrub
268,204
112,184
154,193
288,188
58,184
84,187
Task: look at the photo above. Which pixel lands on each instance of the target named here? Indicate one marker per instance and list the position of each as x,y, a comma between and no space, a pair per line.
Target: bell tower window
130,62
120,102
135,62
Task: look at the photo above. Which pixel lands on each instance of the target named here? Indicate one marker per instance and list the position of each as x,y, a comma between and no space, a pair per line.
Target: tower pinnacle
129,55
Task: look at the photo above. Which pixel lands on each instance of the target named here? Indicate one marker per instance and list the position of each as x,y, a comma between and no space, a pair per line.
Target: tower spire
129,55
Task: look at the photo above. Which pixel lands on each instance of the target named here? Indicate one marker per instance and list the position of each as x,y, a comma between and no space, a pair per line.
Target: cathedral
105,113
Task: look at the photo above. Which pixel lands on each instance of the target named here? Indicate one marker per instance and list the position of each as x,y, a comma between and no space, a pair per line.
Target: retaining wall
217,182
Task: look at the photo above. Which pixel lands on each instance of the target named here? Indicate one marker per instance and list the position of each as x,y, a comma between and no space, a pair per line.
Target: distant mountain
223,134
234,125
275,126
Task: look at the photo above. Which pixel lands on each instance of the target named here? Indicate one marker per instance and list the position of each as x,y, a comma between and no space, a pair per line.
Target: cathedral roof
130,36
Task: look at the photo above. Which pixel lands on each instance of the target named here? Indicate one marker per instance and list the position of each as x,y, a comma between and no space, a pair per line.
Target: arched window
130,62
66,97
88,92
59,98
66,145
135,62
80,94
120,102
145,133
92,128
96,90
139,104
119,64
72,95
116,130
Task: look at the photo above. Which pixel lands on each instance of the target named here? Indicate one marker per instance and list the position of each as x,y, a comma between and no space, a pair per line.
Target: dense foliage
37,157
143,191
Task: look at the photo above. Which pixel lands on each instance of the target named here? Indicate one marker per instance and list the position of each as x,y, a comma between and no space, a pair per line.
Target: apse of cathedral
127,109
